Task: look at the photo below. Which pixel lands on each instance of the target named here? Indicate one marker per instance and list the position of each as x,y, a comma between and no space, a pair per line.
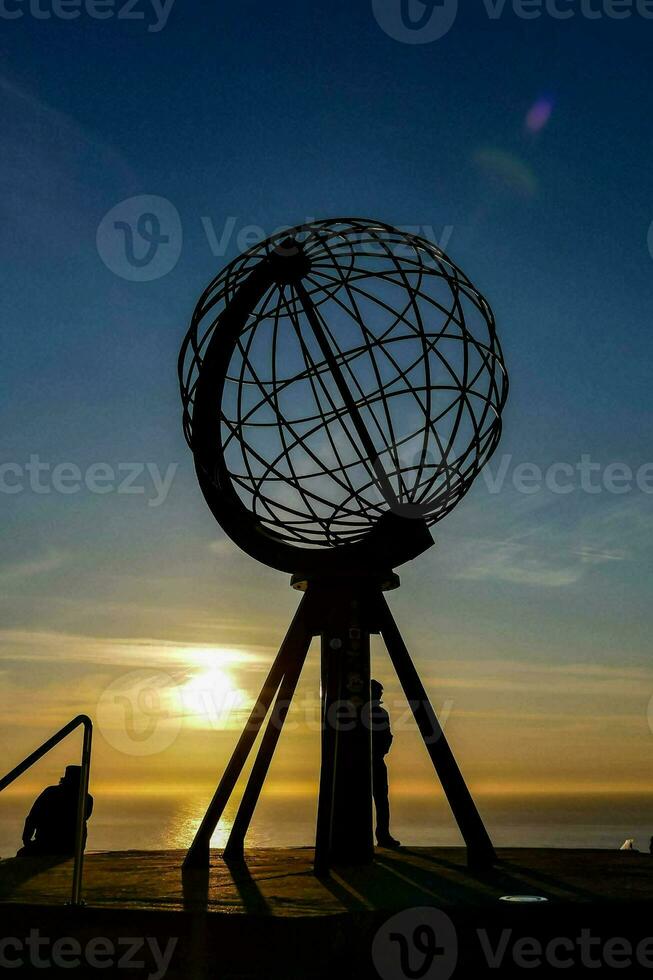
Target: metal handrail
76,897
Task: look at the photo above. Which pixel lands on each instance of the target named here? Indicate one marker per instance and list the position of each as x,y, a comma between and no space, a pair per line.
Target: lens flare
539,114
506,172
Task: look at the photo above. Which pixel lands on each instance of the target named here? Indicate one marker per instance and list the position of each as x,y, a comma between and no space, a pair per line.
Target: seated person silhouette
381,742
51,823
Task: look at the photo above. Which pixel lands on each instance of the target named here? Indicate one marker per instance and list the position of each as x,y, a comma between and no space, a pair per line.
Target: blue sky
263,114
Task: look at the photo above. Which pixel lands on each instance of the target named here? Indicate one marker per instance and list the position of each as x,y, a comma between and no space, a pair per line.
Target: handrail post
78,867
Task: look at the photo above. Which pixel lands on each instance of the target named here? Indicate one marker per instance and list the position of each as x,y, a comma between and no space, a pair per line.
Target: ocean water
155,822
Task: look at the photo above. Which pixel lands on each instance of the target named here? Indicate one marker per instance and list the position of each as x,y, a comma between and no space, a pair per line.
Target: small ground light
523,899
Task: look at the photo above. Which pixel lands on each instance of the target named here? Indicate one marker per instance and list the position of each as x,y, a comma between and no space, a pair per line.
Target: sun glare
211,697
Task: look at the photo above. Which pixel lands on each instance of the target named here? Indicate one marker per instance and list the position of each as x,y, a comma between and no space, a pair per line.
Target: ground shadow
250,894
509,878
551,882
444,881
334,882
16,871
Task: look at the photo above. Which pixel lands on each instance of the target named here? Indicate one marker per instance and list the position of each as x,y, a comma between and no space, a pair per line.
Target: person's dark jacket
381,733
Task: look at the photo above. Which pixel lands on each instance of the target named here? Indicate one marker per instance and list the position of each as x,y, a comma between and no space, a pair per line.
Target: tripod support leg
297,643
198,853
480,852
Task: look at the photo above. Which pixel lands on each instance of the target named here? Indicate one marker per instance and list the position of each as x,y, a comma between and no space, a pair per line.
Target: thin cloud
515,562
31,567
548,555
557,678
52,646
224,548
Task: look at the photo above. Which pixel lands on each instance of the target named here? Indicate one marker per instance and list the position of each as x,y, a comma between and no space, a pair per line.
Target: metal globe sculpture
334,374
342,386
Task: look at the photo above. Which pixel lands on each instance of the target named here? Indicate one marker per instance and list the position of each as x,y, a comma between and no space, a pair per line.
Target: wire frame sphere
346,370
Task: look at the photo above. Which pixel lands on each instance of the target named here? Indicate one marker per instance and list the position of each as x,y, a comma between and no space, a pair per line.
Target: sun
211,698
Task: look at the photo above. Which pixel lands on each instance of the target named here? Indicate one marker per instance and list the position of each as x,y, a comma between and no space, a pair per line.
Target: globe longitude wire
374,382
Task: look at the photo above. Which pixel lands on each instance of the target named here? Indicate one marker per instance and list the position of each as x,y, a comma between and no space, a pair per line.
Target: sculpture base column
345,804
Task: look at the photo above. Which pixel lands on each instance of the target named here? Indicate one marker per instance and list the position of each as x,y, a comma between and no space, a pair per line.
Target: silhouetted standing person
52,822
381,742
